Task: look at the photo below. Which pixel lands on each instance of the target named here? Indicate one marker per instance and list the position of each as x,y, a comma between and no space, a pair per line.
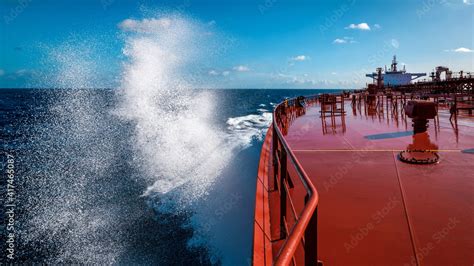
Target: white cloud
460,50
281,75
344,40
463,50
293,79
467,2
307,81
300,58
377,26
145,25
360,26
21,73
241,68
213,73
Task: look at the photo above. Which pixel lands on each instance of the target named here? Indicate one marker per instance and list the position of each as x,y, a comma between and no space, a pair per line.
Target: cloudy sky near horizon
261,43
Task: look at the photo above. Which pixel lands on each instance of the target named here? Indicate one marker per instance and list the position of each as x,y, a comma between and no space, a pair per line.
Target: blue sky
262,43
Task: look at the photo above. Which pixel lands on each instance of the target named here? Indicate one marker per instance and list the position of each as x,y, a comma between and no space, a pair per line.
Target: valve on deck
420,112
421,151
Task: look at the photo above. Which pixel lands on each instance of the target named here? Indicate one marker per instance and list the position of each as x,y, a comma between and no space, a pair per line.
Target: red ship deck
373,208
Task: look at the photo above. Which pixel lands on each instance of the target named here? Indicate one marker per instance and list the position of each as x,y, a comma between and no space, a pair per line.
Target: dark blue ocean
94,184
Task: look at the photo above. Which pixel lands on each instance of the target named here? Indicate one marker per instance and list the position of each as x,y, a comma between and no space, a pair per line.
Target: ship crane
436,76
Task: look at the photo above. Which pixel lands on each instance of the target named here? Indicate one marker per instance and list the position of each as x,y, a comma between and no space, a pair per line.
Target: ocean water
108,176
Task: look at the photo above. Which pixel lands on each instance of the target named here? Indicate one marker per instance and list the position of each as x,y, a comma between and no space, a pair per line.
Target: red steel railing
304,230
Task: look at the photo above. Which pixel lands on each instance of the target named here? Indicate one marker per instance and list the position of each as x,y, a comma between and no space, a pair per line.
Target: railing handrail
296,234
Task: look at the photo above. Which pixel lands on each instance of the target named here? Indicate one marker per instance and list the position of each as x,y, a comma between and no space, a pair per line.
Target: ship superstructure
393,76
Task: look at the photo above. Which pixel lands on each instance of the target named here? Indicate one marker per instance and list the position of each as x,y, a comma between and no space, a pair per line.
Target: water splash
73,150
175,139
177,149
181,151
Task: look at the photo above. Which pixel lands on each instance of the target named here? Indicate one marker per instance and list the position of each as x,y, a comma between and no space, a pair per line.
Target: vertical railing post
275,158
283,172
342,104
311,239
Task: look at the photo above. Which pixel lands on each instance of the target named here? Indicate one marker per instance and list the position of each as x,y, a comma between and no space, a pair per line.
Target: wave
245,129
